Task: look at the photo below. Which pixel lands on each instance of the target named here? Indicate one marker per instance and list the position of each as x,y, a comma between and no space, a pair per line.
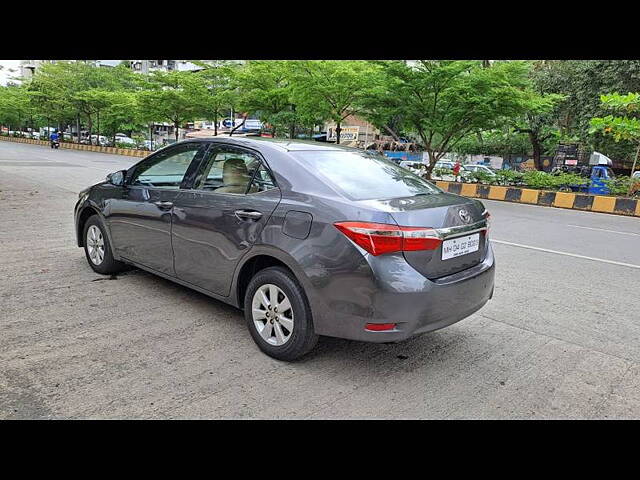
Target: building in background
29,67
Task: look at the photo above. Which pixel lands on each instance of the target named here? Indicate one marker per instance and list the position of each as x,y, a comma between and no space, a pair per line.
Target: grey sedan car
308,239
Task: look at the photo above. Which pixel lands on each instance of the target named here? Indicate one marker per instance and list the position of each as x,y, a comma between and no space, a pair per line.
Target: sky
7,64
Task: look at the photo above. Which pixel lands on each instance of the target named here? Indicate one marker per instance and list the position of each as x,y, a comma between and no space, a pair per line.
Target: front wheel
278,314
97,248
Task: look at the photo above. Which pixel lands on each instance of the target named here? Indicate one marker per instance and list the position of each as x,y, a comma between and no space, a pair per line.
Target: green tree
264,88
15,108
582,82
218,80
446,101
175,97
332,90
621,128
538,122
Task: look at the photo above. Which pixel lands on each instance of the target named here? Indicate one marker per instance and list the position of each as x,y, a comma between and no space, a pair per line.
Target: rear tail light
380,238
379,327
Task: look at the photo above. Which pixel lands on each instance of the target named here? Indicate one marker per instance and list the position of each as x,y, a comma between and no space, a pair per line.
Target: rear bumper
415,304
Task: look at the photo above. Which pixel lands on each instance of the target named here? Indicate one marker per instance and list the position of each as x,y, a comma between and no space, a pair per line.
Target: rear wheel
97,248
278,315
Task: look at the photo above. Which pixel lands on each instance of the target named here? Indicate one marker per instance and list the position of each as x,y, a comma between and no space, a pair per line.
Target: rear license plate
460,246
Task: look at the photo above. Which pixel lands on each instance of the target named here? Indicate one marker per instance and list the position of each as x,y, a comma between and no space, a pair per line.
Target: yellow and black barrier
576,201
76,146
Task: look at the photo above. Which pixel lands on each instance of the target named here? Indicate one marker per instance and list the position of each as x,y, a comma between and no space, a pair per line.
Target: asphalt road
560,339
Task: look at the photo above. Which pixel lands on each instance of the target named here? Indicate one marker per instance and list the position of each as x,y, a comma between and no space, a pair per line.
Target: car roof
280,144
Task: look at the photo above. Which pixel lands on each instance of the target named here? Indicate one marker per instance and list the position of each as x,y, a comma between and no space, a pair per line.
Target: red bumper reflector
379,327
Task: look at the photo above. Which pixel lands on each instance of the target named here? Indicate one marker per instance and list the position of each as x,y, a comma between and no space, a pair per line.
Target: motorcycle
55,144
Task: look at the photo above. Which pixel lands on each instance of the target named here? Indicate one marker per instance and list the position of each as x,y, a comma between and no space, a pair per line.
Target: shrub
623,186
508,177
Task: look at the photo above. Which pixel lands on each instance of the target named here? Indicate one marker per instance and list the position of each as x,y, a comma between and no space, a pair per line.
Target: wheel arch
259,259
85,213
250,267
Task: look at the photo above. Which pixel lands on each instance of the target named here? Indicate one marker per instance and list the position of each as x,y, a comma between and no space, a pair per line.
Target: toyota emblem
464,215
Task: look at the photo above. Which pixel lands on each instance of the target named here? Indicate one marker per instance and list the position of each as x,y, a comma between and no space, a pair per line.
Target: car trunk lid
453,217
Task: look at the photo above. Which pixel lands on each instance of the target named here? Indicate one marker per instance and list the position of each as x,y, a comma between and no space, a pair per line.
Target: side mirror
116,178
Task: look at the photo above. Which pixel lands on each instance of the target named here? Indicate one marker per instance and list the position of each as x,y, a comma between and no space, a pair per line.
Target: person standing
456,171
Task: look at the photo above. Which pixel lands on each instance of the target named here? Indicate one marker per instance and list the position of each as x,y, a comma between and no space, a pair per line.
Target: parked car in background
373,253
104,141
415,167
449,177
122,138
480,168
149,145
636,174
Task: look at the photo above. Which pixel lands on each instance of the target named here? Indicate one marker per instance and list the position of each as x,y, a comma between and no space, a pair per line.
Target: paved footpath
560,339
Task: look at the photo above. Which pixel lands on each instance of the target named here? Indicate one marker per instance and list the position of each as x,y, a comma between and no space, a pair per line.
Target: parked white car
103,140
122,138
444,164
480,168
415,167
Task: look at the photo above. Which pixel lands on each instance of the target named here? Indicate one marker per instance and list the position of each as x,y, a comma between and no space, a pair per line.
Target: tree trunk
338,130
175,125
77,128
98,136
633,169
431,164
292,127
215,125
537,150
393,134
241,124
90,128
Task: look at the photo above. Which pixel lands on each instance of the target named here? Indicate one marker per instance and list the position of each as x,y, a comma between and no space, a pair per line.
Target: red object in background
456,169
267,135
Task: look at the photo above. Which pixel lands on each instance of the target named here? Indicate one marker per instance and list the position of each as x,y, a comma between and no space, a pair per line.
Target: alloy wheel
272,314
95,245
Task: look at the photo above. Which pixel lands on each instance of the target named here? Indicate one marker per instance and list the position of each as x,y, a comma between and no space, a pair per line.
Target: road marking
605,230
613,262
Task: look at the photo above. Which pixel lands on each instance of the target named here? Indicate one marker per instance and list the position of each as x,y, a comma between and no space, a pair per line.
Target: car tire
97,248
302,337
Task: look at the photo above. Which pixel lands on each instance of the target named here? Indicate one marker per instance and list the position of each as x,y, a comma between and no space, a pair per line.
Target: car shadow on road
331,353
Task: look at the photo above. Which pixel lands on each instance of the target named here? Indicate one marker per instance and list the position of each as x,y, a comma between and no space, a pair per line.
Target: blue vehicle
597,175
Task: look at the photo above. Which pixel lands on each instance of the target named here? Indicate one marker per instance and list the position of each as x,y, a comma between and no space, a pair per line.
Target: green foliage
620,128
543,180
175,97
508,177
440,172
446,101
332,89
221,91
480,177
582,82
623,186
503,141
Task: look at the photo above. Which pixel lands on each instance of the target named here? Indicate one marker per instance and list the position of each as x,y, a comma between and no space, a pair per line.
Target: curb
75,146
573,201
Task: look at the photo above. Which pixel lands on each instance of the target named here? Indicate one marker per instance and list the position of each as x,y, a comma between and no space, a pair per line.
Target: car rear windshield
362,176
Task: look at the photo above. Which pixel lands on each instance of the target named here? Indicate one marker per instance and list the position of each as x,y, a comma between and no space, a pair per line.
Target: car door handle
248,214
164,205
